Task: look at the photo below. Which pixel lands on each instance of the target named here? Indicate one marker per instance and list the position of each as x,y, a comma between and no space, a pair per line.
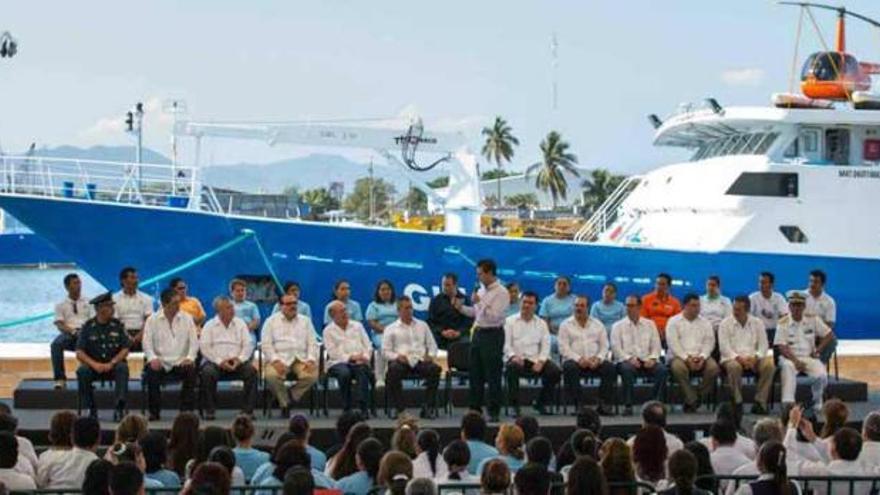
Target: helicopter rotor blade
839,10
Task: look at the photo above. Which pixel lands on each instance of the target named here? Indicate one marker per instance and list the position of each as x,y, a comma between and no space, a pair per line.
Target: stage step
40,394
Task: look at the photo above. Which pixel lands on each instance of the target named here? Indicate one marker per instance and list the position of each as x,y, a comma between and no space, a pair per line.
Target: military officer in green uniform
101,349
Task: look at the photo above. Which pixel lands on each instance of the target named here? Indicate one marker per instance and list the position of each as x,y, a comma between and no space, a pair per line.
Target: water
30,291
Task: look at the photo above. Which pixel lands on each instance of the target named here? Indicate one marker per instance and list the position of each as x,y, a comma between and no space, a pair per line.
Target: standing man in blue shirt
608,310
244,309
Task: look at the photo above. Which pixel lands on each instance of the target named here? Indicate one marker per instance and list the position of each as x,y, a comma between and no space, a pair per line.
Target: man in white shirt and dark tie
691,340
742,340
348,355
171,345
70,315
409,349
226,348
583,345
487,344
527,353
290,347
635,345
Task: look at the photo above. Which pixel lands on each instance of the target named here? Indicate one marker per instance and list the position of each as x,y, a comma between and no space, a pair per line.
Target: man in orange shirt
660,305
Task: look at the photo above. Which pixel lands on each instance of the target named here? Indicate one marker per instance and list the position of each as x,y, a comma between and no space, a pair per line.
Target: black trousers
85,376
397,371
155,379
211,374
486,357
344,373
573,373
550,376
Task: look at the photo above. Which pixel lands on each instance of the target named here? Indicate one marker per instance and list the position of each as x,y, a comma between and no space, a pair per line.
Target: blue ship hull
101,238
28,249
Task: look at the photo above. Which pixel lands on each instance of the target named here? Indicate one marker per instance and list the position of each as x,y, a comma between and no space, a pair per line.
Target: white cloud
749,76
111,129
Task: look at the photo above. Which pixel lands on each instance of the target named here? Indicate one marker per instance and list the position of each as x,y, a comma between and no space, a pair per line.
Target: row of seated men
171,344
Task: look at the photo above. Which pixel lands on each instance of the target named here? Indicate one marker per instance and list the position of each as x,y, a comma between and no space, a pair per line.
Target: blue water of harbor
29,291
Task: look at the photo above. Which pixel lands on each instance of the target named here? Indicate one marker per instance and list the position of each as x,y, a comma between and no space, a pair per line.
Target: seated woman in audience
428,463
224,456
421,486
495,478
457,457
155,449
836,414
649,456
182,442
299,481
617,464
131,429
509,443
209,438
344,463
705,471
9,477
404,439
246,457
131,452
369,455
682,474
342,293
774,480
395,471
266,468
586,478
292,454
583,444
60,444
97,480
381,312
302,431
539,450
209,478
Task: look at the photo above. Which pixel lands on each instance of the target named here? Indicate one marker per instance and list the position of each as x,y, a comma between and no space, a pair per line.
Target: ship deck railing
608,212
106,181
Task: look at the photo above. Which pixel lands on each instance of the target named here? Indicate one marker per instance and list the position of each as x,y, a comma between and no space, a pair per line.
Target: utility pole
134,124
372,206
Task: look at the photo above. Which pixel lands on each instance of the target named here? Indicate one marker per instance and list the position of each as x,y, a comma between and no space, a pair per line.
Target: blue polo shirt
247,311
354,311
249,460
480,451
167,477
358,483
608,314
556,309
319,459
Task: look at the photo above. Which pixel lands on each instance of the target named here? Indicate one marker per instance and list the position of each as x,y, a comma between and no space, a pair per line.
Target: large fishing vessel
786,188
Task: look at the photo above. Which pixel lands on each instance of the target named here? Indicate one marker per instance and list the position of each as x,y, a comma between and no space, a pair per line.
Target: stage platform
35,401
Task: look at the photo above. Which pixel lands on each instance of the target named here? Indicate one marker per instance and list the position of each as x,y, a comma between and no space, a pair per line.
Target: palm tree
598,186
555,160
499,146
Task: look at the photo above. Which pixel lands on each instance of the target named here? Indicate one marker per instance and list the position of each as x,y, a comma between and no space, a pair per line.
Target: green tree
527,200
320,200
499,145
555,159
496,173
599,186
416,200
439,182
358,202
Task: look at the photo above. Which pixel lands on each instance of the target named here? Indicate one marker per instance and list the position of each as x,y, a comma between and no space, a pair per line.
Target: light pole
175,108
134,122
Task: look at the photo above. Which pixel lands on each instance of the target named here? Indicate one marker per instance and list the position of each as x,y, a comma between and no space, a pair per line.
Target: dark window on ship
793,233
783,185
837,146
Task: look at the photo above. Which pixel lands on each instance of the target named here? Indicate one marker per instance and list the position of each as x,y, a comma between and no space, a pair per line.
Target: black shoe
154,416
93,413
427,413
760,409
118,414
604,411
628,411
691,408
516,412
285,412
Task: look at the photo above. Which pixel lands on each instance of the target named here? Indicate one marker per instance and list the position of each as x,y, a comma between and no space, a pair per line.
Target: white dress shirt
15,481
133,310
640,340
839,468
823,306
413,340
219,342
26,455
726,459
64,468
870,457
749,340
743,444
73,313
686,338
715,309
170,341
341,344
528,339
289,340
769,310
588,341
491,311
800,336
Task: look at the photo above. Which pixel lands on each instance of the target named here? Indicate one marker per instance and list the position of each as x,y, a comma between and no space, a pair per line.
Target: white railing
105,181
608,212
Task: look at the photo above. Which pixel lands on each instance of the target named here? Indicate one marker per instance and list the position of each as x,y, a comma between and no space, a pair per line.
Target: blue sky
83,64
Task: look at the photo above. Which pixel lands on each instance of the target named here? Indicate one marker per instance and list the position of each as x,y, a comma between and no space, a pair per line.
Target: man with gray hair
870,455
421,486
226,347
